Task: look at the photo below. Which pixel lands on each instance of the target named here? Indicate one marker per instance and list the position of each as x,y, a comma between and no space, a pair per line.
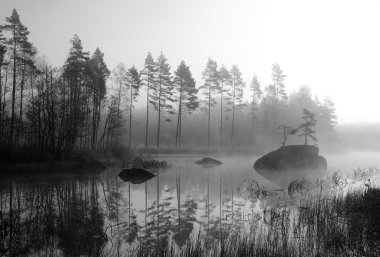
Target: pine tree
209,88
278,82
148,80
307,126
74,73
224,80
119,75
133,82
256,88
186,96
330,117
162,93
3,50
255,96
21,49
235,94
99,76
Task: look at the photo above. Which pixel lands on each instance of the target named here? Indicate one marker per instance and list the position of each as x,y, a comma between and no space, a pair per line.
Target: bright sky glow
331,46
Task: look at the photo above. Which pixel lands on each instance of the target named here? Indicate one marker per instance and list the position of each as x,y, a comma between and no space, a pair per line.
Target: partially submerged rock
208,163
291,162
135,175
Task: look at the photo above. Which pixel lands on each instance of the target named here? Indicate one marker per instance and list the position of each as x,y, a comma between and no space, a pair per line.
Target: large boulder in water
135,175
288,163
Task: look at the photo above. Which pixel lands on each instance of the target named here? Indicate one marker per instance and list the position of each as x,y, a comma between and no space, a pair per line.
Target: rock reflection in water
104,216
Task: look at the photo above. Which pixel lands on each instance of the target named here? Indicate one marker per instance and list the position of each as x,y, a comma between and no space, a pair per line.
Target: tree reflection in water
101,216
51,218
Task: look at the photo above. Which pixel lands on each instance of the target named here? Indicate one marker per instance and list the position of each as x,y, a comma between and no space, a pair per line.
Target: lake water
104,216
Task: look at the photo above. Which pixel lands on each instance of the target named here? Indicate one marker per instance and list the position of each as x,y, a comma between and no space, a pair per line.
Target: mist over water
106,199
209,128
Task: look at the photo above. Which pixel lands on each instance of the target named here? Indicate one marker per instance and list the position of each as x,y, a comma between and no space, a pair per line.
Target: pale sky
333,46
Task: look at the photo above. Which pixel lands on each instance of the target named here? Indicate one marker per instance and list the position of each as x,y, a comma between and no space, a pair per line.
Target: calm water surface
104,216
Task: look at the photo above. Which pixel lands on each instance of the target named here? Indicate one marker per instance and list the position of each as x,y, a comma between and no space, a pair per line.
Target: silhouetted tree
307,126
278,82
99,76
133,82
256,93
21,50
329,114
3,50
256,87
148,79
162,93
74,74
209,88
62,108
224,80
186,96
119,75
235,94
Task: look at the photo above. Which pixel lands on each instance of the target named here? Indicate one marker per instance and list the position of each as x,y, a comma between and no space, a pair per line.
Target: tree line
84,105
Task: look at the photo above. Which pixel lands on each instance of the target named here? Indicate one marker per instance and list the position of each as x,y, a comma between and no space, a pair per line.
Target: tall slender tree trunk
180,128
52,137
5,92
233,116
13,92
209,118
1,117
21,102
130,118
159,116
93,121
253,117
178,133
221,115
147,115
97,120
118,111
94,102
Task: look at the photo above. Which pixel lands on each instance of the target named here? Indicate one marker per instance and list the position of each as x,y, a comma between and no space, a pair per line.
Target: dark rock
135,175
208,162
291,162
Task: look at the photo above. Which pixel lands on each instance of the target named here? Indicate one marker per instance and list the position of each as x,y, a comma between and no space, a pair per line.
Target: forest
86,105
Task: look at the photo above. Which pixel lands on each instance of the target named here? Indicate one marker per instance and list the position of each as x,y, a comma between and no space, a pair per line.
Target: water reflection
104,216
51,218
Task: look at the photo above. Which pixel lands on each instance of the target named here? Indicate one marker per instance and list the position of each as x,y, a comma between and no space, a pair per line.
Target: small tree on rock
307,126
286,132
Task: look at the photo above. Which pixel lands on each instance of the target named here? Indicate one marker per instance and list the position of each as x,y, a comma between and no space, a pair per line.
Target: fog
202,128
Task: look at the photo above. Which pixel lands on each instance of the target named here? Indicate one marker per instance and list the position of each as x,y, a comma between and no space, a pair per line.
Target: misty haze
189,128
